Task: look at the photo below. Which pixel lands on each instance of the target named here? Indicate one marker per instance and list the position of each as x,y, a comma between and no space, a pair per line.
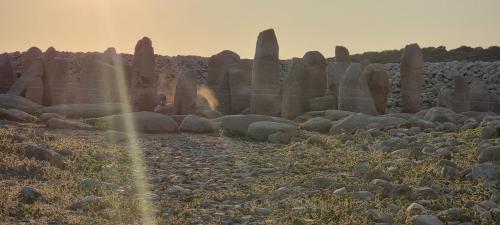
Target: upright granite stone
30,83
335,70
354,93
294,102
266,93
143,80
240,81
481,100
412,78
219,66
99,78
186,93
315,75
55,79
7,75
458,100
378,82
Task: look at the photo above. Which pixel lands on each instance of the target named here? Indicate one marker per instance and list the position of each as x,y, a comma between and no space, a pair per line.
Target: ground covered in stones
213,179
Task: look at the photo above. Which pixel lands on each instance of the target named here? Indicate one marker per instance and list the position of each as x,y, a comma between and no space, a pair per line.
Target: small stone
30,195
415,209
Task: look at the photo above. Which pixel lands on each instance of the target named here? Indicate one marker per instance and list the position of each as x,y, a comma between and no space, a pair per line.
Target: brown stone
240,81
55,79
219,66
335,70
412,78
354,92
186,93
341,54
266,93
7,75
315,75
294,102
378,82
143,80
30,82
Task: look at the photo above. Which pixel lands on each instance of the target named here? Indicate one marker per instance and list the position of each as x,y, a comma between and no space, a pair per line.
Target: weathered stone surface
361,121
86,110
412,78
238,124
145,122
266,89
490,154
186,93
144,79
56,123
335,70
323,103
441,115
33,151
219,66
260,131
318,124
354,94
425,220
55,79
197,124
335,115
16,115
315,74
100,78
240,83
481,100
7,75
30,82
378,82
17,102
457,100
294,102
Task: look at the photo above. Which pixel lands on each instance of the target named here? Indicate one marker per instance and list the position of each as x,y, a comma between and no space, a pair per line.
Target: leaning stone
294,102
266,96
412,78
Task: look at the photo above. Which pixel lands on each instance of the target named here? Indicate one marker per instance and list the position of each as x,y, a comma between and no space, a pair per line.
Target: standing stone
31,81
378,82
240,81
266,93
219,66
186,93
460,97
335,70
144,80
99,78
315,74
7,75
354,93
294,102
55,78
480,99
412,78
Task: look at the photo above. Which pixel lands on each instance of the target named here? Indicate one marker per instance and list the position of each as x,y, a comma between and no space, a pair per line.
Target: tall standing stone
266,93
481,100
7,75
378,82
55,78
219,66
240,82
186,93
315,73
143,80
354,93
335,70
294,102
459,100
412,78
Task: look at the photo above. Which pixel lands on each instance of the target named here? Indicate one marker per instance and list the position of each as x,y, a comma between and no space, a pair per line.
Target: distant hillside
432,54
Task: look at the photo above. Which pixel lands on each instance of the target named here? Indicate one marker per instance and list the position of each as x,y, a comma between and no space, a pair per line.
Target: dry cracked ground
89,177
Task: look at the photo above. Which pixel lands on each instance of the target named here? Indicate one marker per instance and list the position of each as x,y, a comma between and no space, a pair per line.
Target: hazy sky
205,27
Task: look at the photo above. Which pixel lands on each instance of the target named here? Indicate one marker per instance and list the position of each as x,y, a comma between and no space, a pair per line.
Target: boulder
481,100
219,66
16,115
457,100
294,103
7,75
318,124
56,123
441,115
186,93
238,124
354,93
335,115
341,54
323,103
17,102
143,80
44,117
412,78
144,122
378,83
266,88
425,220
484,171
260,131
197,124
361,121
490,154
33,151
86,110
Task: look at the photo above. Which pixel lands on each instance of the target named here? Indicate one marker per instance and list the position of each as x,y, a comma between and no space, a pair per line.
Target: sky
206,27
